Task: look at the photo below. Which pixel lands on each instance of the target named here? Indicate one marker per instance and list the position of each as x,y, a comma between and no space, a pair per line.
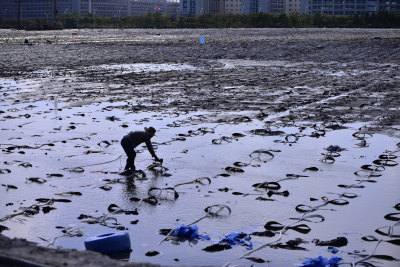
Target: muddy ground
296,59
81,89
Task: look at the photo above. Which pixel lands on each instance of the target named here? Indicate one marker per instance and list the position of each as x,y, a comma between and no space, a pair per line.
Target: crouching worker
132,140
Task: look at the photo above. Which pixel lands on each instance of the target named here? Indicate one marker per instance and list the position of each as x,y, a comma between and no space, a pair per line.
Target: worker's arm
151,150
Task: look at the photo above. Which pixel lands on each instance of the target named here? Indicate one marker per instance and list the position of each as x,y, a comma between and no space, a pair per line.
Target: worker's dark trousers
129,149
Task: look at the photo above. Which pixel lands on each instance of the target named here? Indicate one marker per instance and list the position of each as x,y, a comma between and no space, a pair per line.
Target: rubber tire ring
109,243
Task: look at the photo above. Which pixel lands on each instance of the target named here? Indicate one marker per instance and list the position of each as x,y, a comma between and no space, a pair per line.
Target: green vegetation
258,20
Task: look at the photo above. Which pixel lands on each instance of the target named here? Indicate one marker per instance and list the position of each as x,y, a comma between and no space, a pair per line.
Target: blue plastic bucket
109,243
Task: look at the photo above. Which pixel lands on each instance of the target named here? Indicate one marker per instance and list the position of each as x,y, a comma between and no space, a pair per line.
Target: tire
109,243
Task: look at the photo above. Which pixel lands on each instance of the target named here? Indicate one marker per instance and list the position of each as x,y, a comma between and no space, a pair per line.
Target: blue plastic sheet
234,239
321,262
334,250
189,232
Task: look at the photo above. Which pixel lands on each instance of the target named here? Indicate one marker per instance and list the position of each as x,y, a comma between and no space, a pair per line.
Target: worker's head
150,131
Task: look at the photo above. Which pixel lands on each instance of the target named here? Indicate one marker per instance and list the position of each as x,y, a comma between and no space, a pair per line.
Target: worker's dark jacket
139,137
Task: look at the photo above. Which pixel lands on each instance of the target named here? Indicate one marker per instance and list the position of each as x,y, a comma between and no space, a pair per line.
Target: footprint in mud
233,169
267,186
76,169
5,171
291,244
262,155
240,164
267,132
152,253
105,187
225,189
275,226
104,143
49,175
393,216
115,209
35,180
312,169
25,165
9,186
221,140
283,193
397,206
337,242
264,199
69,193
47,209
222,175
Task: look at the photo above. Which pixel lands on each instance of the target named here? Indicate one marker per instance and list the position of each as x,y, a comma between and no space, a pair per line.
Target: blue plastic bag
321,262
189,232
234,239
334,250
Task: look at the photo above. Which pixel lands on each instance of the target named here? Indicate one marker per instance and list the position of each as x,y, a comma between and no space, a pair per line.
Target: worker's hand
161,161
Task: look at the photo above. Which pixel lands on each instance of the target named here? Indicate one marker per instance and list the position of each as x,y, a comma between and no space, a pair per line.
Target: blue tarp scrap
189,232
321,262
234,239
334,250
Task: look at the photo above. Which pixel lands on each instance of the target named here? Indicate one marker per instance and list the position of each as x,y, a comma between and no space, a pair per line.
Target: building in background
213,7
233,6
348,7
292,6
202,7
140,7
32,9
277,6
106,8
191,7
256,6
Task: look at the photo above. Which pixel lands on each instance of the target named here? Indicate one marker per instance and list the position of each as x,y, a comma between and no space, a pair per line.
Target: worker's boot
126,173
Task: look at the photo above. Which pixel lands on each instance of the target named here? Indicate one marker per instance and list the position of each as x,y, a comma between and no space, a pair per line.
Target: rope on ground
23,212
369,256
100,163
210,212
312,209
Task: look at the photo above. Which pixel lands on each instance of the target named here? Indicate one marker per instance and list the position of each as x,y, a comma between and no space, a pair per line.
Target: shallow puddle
142,67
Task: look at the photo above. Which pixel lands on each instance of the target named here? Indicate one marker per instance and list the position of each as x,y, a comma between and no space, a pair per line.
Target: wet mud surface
279,144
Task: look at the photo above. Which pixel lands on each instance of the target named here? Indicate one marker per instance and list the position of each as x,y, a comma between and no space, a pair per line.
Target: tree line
382,19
